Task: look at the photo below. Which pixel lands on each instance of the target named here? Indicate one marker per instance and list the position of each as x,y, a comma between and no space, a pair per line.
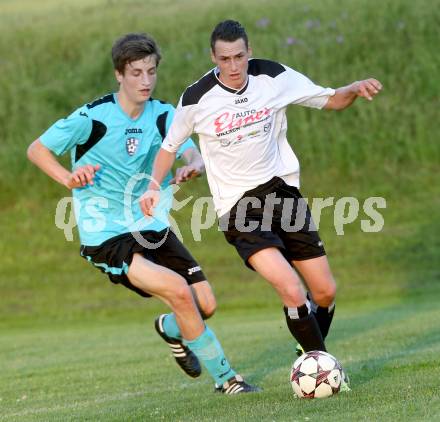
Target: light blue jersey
101,133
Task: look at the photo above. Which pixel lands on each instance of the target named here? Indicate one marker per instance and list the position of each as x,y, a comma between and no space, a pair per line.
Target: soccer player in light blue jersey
113,142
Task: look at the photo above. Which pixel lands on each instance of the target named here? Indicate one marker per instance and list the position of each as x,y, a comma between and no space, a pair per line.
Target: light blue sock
170,327
209,351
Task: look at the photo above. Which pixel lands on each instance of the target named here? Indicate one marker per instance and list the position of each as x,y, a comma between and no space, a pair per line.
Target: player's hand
184,173
82,176
367,88
148,201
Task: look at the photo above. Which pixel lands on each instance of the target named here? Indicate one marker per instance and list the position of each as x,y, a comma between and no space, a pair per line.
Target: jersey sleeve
295,88
64,134
188,143
180,129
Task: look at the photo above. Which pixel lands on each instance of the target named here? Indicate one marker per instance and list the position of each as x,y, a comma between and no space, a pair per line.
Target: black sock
324,316
304,327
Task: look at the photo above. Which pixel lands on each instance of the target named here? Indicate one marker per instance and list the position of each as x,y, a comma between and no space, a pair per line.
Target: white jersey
242,133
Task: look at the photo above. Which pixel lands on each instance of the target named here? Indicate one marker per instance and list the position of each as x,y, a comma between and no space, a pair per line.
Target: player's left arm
194,166
346,95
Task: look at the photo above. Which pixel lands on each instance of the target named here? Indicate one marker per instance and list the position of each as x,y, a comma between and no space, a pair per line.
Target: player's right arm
64,135
43,158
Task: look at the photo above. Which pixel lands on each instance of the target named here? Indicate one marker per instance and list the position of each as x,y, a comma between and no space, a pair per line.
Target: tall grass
55,57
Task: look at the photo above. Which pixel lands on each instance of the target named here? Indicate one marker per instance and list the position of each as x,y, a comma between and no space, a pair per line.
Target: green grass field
119,370
75,347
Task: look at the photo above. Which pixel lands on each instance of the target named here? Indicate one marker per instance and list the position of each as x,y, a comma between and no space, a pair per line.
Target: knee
292,290
180,295
324,297
208,308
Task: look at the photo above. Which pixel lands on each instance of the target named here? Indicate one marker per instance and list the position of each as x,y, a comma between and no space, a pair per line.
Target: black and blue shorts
273,214
114,256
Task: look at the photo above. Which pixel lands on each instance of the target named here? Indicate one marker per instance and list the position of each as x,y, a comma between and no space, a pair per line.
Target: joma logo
131,131
241,100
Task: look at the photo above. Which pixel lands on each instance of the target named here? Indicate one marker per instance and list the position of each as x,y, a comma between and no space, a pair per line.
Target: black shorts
273,214
114,256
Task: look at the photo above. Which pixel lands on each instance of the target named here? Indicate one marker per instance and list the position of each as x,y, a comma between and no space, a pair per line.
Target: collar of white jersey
239,91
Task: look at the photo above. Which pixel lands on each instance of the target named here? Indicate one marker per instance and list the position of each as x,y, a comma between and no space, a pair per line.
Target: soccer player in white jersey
112,141
238,111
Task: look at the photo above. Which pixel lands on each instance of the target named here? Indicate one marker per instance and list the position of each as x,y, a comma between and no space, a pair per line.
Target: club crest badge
131,145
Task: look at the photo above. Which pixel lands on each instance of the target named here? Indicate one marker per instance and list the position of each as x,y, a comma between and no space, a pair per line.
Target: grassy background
74,346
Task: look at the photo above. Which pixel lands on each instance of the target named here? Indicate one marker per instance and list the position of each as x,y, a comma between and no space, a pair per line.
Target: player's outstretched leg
173,289
226,380
209,351
185,358
167,328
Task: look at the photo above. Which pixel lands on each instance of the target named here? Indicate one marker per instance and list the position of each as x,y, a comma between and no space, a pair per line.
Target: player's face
139,79
231,59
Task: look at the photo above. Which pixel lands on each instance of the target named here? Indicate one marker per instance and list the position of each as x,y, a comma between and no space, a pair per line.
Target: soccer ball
316,375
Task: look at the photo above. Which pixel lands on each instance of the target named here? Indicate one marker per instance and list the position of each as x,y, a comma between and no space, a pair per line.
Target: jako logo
241,100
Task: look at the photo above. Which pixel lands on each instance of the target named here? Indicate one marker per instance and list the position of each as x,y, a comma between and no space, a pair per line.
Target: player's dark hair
132,47
230,31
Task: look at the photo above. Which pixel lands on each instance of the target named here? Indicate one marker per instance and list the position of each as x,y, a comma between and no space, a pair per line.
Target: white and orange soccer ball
316,374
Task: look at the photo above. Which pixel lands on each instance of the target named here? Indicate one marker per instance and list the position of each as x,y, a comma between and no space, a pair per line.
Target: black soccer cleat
236,385
185,358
